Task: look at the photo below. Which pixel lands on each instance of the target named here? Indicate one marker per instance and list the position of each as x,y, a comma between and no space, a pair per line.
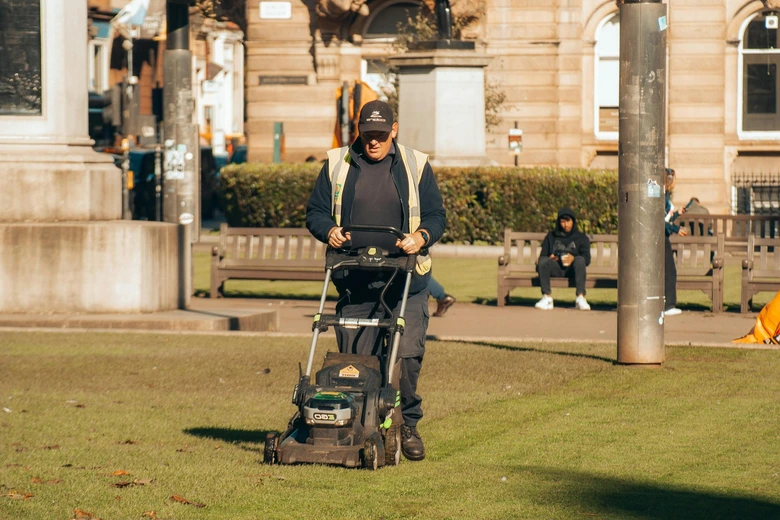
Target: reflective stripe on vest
413,161
338,158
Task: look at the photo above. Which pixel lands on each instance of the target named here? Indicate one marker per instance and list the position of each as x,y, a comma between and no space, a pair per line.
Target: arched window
382,28
760,56
607,78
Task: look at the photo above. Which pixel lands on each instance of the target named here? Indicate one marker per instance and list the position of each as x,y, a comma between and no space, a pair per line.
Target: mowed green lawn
473,280
114,425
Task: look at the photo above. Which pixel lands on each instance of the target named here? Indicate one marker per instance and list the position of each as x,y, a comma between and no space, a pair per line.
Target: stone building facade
217,69
557,63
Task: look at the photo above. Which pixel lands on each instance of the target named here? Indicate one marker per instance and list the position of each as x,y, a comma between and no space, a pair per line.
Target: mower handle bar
374,229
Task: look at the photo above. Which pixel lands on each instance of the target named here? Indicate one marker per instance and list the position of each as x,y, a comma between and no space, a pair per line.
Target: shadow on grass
264,295
519,348
229,434
598,495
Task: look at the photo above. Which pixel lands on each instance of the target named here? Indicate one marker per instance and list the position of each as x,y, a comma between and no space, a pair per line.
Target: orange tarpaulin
366,94
767,324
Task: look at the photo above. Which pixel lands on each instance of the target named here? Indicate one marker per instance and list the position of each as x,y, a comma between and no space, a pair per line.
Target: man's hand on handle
337,237
411,244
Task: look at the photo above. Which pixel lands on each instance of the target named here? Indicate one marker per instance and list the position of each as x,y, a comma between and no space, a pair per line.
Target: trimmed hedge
480,202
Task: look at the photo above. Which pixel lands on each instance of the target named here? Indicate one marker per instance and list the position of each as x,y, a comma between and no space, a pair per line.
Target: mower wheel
393,445
370,455
271,443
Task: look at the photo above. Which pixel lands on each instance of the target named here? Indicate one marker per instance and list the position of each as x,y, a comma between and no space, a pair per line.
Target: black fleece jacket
319,220
574,242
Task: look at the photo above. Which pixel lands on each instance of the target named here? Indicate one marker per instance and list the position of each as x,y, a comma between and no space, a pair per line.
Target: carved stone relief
333,16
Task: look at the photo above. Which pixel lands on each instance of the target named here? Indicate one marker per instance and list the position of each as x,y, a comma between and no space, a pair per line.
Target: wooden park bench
699,264
265,254
760,269
517,266
700,261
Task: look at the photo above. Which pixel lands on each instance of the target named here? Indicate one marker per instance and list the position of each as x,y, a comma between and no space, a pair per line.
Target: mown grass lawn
474,280
114,425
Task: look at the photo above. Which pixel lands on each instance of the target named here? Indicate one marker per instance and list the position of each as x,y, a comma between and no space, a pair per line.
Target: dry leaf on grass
150,514
52,447
122,484
78,514
119,473
18,495
182,500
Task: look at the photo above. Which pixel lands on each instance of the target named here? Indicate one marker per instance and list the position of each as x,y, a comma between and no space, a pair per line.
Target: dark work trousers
369,340
670,276
548,268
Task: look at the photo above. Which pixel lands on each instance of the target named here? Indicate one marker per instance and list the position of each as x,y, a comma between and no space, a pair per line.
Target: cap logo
376,117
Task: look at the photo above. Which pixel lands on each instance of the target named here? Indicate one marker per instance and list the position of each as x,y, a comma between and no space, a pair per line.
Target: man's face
376,145
566,223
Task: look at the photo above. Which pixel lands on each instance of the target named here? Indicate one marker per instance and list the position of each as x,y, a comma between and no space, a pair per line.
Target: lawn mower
350,414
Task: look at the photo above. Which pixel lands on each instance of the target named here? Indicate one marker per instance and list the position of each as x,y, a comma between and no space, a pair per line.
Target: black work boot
411,444
443,304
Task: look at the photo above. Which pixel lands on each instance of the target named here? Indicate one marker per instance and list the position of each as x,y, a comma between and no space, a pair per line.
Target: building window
607,78
98,65
760,56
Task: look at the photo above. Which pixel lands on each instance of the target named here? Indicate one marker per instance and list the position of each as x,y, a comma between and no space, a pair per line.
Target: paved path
521,323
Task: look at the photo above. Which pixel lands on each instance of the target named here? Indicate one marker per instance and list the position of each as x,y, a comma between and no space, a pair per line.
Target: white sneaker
546,303
674,311
581,303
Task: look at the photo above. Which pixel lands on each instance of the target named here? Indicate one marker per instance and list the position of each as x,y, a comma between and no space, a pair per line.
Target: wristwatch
425,236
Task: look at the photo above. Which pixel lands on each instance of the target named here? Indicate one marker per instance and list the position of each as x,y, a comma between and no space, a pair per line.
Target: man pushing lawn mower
380,184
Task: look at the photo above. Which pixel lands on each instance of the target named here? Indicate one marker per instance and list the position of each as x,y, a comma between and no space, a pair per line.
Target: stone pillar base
442,105
91,267
57,181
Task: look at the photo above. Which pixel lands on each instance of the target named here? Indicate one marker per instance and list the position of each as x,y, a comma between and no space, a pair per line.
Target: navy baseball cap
376,116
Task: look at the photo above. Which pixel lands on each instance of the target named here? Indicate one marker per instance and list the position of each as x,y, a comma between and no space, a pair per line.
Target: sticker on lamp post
174,160
515,141
275,10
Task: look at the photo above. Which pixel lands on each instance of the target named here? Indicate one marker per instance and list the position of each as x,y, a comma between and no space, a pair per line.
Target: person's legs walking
364,341
411,405
411,352
443,300
436,289
670,280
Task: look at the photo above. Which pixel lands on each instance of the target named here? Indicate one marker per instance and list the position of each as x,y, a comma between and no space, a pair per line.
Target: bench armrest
215,252
717,263
502,260
747,264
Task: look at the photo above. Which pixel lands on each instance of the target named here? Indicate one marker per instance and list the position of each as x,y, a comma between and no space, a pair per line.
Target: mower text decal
349,371
324,417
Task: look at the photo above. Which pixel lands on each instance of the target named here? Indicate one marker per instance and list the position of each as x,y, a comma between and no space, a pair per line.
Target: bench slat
258,254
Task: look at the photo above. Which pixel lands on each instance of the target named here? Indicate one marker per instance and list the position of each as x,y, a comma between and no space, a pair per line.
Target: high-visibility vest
414,163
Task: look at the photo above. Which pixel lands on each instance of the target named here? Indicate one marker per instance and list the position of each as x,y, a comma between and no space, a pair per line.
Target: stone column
63,247
442,105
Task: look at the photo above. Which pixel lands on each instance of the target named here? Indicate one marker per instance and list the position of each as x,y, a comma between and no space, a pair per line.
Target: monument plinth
442,102
63,247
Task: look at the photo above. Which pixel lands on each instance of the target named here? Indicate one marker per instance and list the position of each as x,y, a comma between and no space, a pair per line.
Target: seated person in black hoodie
565,253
